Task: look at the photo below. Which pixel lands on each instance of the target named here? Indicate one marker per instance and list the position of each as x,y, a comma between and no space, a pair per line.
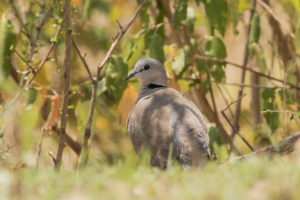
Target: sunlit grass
133,178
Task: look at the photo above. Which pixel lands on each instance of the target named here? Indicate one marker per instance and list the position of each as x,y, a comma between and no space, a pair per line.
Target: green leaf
32,94
156,47
7,43
214,136
136,52
218,73
215,48
234,13
272,118
292,117
191,19
287,96
101,86
198,2
178,64
254,33
180,13
115,72
53,39
144,16
1,138
216,12
90,5
243,5
71,106
160,19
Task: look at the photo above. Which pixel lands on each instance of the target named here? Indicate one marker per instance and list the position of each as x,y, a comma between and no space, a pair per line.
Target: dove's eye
146,67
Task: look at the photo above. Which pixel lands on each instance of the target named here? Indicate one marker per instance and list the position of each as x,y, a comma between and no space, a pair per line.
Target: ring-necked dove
162,117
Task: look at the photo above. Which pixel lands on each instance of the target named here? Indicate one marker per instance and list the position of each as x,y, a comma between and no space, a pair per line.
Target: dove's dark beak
130,75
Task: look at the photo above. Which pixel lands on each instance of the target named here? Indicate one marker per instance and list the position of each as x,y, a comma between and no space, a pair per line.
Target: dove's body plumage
162,118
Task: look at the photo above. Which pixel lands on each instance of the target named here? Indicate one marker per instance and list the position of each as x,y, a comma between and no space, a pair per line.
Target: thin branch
233,128
123,31
156,26
225,100
87,132
248,69
67,82
279,111
18,16
37,70
23,59
44,60
245,62
73,144
270,11
233,102
33,40
82,59
213,102
39,150
251,85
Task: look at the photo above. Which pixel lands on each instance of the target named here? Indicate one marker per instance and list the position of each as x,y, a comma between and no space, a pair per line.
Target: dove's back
163,119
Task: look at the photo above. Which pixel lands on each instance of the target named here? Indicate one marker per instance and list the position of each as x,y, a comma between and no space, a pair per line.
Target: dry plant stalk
232,126
67,81
248,69
87,133
245,62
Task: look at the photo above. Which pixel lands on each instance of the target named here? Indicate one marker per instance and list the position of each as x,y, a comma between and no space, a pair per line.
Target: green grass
252,178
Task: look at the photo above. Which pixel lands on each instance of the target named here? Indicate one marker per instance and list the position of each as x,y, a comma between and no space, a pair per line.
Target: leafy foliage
180,63
269,103
7,44
254,33
180,13
115,72
216,11
215,48
156,47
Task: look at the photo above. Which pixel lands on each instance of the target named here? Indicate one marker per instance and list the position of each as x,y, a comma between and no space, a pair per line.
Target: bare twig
225,100
18,16
50,153
213,101
233,128
34,39
82,59
245,62
67,80
23,59
248,69
251,85
36,70
123,31
278,111
275,17
73,144
233,102
156,26
44,60
87,132
39,150
283,147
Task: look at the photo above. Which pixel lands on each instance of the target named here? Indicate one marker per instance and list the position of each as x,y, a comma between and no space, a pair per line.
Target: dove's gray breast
163,119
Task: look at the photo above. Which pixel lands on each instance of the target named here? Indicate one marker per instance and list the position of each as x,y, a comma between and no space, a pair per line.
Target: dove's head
149,71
